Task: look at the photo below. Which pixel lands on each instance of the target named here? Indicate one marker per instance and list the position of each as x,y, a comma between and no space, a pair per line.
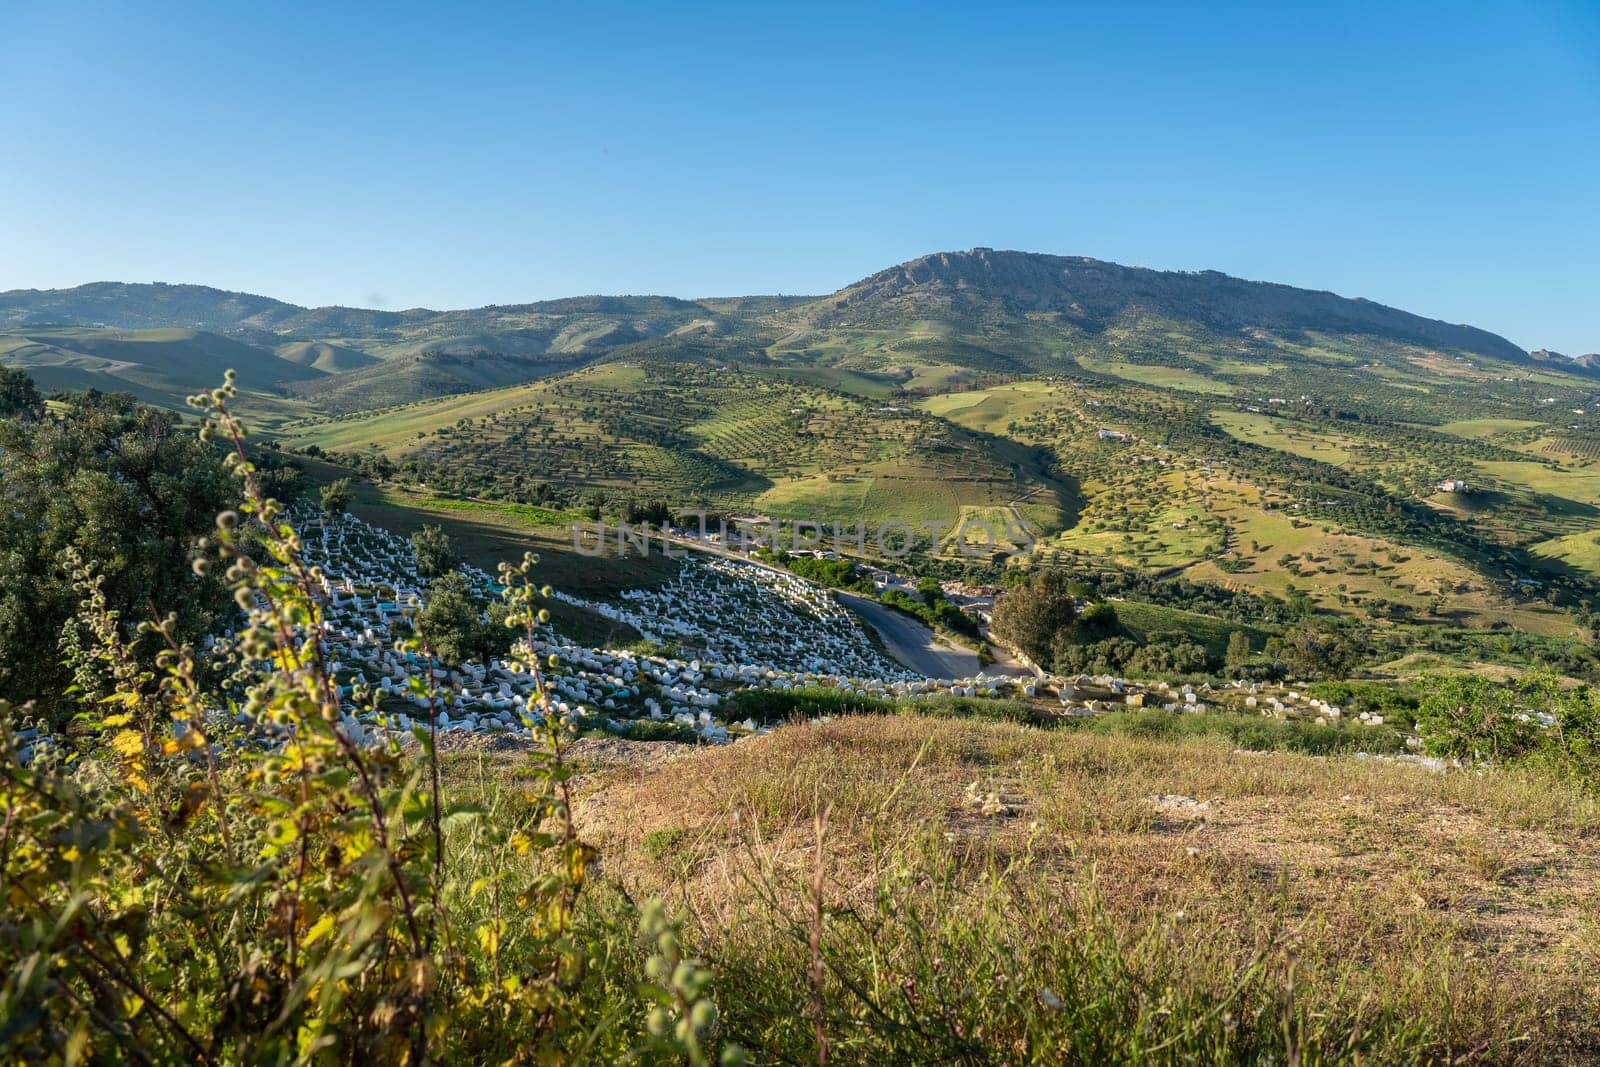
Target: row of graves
749,627
742,627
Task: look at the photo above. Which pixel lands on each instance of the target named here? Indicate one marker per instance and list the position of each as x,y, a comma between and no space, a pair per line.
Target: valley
1287,445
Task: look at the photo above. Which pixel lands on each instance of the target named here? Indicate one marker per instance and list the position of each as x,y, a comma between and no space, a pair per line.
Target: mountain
1589,360
925,326
994,310
983,290
131,305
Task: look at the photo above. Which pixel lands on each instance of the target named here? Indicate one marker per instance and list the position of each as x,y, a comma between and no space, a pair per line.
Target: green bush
1256,733
180,888
1469,717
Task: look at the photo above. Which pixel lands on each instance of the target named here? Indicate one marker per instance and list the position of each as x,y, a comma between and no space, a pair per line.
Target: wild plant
225,864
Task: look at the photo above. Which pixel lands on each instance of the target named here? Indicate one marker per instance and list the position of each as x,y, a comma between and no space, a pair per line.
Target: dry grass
1348,906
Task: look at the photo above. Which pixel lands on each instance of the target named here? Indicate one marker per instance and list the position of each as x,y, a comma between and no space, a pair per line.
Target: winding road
910,642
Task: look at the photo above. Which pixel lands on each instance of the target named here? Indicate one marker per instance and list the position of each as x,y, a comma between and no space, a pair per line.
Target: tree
1238,653
1317,648
1030,616
1099,620
1472,718
336,498
128,490
435,555
452,626
18,394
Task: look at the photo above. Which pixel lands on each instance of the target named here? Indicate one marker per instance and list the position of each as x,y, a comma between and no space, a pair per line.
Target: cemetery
729,625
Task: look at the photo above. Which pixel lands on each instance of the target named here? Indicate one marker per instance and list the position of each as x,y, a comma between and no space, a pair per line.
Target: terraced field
692,434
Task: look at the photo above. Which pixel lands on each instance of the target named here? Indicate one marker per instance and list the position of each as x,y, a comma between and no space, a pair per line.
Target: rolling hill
157,365
1274,441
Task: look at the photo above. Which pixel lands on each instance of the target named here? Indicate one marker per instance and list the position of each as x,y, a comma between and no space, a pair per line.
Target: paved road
910,642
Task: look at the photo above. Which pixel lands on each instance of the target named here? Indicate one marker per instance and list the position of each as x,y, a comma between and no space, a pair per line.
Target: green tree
128,490
1317,648
1030,616
336,498
435,555
451,625
18,394
1238,653
1472,718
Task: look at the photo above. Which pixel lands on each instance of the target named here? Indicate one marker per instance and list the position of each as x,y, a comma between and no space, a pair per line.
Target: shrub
186,884
434,554
335,498
126,490
1471,718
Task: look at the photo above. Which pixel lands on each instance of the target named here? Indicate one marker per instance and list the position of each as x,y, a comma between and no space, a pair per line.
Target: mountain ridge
1090,293
1082,290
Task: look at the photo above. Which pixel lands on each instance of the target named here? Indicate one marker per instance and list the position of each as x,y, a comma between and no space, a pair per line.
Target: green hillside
160,365
325,357
1268,440
690,433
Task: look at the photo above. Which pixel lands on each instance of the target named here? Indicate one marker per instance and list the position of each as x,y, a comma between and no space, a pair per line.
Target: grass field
1162,377
1477,429
1178,894
1286,436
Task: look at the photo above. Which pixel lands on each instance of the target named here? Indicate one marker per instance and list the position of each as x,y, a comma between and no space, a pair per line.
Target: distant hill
985,292
403,379
159,366
980,291
919,327
325,357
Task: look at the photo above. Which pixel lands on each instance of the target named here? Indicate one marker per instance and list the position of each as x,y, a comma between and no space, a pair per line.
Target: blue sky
1442,158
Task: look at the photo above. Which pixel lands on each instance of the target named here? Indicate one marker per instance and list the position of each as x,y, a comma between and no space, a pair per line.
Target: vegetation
435,555
932,607
180,890
106,483
1035,616
18,394
991,892
215,863
1127,417
335,497
452,627
834,573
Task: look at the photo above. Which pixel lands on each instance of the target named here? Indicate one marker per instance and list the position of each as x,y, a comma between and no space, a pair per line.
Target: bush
123,489
454,627
434,554
1256,733
1365,696
1472,718
182,886
335,498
